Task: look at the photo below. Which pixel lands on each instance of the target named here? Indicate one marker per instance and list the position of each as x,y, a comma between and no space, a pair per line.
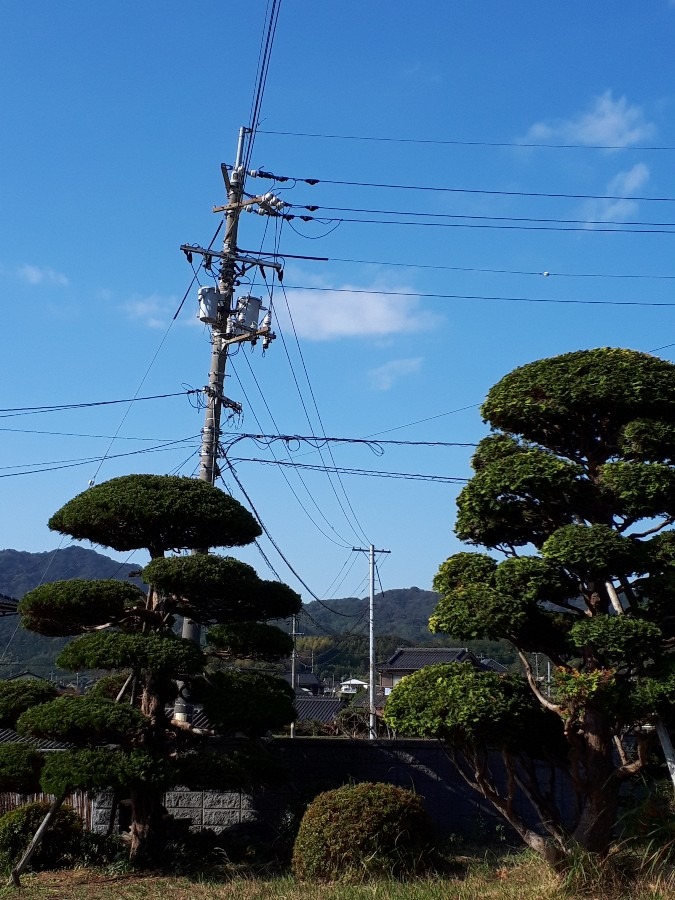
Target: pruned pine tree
574,489
123,736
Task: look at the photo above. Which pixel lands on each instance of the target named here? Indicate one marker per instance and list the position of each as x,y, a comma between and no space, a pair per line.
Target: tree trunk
601,788
147,826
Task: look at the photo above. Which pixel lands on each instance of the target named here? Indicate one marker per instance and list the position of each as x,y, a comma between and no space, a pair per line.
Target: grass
519,877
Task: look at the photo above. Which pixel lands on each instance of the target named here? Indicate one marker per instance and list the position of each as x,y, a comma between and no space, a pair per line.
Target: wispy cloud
624,185
609,122
384,377
41,275
351,312
154,311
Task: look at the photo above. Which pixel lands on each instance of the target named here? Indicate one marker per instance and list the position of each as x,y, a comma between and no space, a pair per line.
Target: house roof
7,605
317,709
489,663
410,659
9,736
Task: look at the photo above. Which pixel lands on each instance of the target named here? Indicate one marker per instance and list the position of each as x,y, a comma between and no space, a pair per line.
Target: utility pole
372,715
294,658
230,323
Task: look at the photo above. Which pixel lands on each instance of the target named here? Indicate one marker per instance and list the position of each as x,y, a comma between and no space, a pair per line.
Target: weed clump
363,831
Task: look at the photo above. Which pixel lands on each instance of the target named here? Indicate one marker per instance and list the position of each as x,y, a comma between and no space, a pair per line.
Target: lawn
515,878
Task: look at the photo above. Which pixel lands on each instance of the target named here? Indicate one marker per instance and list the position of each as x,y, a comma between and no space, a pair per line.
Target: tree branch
531,680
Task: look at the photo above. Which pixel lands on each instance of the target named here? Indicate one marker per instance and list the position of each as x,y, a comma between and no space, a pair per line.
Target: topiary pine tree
132,747
575,487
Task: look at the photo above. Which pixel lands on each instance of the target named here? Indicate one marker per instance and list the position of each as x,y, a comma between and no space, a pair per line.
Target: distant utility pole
294,662
230,323
372,717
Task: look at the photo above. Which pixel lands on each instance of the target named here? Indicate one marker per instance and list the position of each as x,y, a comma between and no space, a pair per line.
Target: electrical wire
435,296
410,476
10,412
341,542
318,414
458,143
454,216
544,274
56,466
460,190
276,546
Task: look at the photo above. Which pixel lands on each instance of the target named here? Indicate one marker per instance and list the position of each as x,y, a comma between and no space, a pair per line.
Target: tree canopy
574,488
122,735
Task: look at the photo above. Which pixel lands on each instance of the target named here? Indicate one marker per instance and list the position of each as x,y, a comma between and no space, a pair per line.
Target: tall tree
123,733
575,488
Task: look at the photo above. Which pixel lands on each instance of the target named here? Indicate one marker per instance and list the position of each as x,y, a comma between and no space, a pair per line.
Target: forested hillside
19,573
334,640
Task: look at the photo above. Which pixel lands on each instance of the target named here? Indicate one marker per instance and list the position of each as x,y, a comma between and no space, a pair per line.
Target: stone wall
319,764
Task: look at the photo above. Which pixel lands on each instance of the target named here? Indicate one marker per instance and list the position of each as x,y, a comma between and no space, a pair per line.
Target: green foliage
82,720
99,769
210,588
20,694
516,498
555,402
246,702
579,466
251,640
59,847
20,767
617,640
164,654
480,598
71,607
593,551
640,489
363,831
649,440
156,512
466,707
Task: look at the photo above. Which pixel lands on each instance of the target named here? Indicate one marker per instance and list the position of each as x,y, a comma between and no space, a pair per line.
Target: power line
9,412
434,215
460,143
277,548
459,190
540,274
57,465
443,479
298,287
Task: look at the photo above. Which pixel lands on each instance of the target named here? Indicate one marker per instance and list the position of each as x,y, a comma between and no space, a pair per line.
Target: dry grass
518,878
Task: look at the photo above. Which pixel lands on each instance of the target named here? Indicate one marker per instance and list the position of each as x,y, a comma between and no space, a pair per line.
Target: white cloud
624,184
40,275
384,377
351,312
154,311
609,122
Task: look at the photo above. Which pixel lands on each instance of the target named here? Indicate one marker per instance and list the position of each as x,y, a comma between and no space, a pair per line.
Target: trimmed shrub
361,831
60,845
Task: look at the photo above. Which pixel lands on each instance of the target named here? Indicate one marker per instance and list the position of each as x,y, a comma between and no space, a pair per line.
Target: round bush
60,844
361,831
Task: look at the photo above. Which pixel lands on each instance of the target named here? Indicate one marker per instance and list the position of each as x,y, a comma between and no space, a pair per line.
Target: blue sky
114,122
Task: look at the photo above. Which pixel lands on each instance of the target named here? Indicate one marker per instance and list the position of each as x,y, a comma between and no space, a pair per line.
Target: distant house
317,709
407,660
352,686
305,683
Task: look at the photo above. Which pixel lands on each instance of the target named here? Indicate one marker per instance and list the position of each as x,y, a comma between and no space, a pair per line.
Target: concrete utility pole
372,715
230,323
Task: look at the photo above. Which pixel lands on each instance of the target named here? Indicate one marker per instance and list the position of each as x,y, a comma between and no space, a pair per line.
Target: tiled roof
488,663
8,736
410,659
7,605
317,709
